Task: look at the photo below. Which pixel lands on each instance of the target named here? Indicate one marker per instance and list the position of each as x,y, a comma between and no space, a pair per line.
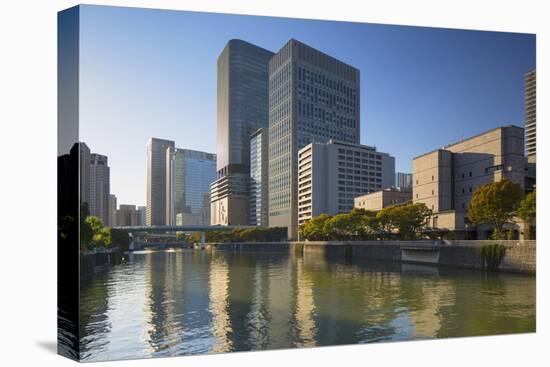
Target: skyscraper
403,180
258,178
112,210
143,216
99,187
242,108
531,115
156,181
84,176
313,97
188,177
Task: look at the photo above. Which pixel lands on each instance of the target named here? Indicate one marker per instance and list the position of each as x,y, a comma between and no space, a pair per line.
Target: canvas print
234,183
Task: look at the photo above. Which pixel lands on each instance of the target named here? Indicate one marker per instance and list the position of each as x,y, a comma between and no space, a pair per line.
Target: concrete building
404,180
128,215
242,108
531,115
188,177
445,179
313,97
259,178
99,187
156,181
332,174
112,210
379,200
143,211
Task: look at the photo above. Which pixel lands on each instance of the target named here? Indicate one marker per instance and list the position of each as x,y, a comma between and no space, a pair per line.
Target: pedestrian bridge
185,228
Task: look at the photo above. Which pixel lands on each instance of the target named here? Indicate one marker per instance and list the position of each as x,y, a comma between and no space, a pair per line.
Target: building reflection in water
188,302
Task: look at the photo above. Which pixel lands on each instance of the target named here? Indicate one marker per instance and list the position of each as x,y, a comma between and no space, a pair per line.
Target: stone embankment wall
520,256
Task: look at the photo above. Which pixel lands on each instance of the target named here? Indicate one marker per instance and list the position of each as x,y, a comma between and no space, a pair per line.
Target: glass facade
189,176
313,98
242,108
258,178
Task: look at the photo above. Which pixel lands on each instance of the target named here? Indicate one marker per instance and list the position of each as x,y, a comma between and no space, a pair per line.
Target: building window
432,192
470,174
470,189
432,178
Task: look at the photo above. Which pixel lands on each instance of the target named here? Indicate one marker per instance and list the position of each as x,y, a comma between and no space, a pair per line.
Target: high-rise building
403,180
242,108
258,178
143,211
445,179
313,97
84,173
99,187
112,210
188,177
531,115
156,181
128,215
331,175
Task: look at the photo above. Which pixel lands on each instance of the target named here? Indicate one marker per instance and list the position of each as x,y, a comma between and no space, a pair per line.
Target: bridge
163,231
185,228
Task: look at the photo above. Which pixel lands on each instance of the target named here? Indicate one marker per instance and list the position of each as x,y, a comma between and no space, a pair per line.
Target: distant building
143,211
156,181
258,178
313,98
84,173
112,210
331,175
189,174
445,179
404,180
99,187
531,115
128,215
243,107
379,200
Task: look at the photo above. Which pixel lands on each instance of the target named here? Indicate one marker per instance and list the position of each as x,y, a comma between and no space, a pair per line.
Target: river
184,302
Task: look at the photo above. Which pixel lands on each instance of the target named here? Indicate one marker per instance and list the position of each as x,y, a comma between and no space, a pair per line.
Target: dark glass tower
243,108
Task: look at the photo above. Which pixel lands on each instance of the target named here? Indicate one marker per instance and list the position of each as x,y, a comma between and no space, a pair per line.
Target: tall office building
531,115
143,216
99,187
313,97
403,180
128,215
242,108
112,210
84,173
331,175
156,181
258,178
188,177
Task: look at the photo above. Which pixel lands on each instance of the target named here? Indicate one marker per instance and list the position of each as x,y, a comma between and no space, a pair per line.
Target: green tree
495,203
314,229
528,212
410,219
100,236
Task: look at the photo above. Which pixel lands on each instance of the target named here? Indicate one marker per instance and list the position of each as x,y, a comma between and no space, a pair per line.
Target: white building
331,175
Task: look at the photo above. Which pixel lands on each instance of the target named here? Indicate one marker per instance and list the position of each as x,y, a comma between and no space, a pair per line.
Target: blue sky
153,73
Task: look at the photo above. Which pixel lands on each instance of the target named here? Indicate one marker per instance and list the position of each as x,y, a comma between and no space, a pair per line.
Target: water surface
184,302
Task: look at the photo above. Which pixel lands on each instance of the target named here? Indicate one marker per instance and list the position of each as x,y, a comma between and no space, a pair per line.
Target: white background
28,181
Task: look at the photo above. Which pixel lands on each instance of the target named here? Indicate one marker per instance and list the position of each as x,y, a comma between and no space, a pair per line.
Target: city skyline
430,72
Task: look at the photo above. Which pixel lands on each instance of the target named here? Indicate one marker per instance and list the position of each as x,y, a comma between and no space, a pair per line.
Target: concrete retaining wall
520,256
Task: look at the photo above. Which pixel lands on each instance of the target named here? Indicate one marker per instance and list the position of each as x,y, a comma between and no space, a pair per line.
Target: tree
528,212
314,229
495,203
410,219
99,236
